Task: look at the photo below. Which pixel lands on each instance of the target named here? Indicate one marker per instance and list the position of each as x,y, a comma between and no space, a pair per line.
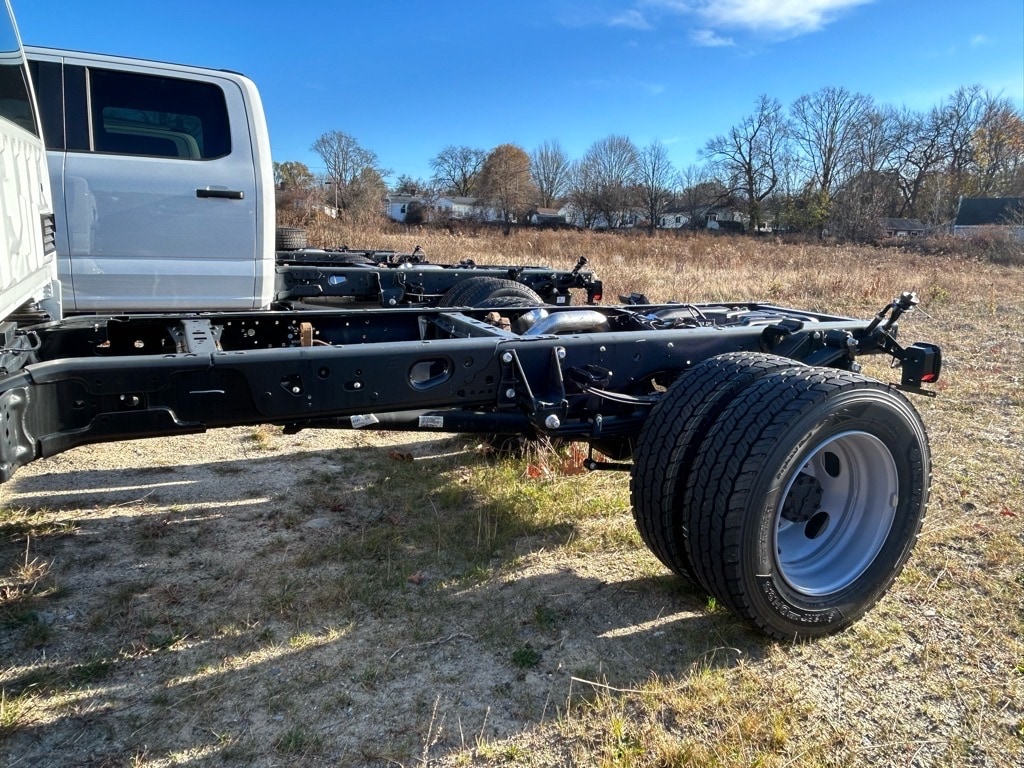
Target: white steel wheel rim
836,513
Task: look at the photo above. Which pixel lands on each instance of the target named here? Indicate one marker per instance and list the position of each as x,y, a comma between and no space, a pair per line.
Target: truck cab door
158,185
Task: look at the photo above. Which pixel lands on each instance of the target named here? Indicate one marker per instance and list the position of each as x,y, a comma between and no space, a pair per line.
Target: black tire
290,238
505,302
474,290
453,297
340,257
806,499
668,444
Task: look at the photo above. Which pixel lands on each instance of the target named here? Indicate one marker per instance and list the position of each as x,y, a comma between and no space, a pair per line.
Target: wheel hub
836,513
803,500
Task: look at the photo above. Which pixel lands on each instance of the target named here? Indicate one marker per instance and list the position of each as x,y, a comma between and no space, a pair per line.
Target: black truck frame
391,278
764,466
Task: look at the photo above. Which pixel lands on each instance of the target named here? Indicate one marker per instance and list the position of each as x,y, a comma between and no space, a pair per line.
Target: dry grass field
362,599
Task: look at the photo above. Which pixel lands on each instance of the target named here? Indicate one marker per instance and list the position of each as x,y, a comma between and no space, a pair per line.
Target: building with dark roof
976,213
902,227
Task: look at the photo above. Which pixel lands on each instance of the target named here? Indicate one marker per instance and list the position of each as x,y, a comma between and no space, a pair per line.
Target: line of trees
833,160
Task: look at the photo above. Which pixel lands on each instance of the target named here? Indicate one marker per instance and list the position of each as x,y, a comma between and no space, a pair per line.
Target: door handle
227,194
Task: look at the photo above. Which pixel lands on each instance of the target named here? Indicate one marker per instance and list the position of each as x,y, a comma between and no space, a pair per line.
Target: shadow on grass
324,611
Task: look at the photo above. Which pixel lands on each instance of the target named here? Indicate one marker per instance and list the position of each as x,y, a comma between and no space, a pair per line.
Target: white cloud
778,15
979,40
708,39
774,16
631,18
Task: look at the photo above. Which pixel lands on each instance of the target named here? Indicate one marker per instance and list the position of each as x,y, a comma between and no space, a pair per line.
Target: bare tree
549,170
504,183
938,161
877,138
655,176
920,157
697,190
825,126
962,117
747,155
581,194
872,190
353,173
786,205
611,170
456,169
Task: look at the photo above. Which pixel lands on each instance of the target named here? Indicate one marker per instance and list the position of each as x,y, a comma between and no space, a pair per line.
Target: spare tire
506,302
290,238
473,291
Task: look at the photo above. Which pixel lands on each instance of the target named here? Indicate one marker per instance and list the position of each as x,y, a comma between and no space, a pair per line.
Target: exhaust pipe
569,322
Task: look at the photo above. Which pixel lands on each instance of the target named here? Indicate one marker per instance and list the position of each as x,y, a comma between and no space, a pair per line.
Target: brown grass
702,267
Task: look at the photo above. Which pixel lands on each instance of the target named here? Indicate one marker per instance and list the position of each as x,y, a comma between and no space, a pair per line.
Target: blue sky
407,78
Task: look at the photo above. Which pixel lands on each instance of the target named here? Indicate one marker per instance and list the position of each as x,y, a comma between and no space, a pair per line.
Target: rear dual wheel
669,443
799,503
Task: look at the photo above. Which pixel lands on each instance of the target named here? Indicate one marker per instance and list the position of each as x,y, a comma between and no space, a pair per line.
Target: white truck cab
163,183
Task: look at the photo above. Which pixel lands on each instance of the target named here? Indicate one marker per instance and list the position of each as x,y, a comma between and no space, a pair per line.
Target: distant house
902,227
725,218
547,217
704,217
458,207
625,219
466,209
977,213
439,209
302,200
398,205
674,217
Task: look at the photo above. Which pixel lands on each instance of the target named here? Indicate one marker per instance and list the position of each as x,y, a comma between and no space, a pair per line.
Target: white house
541,217
398,205
621,219
458,208
674,218
466,209
446,208
703,217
